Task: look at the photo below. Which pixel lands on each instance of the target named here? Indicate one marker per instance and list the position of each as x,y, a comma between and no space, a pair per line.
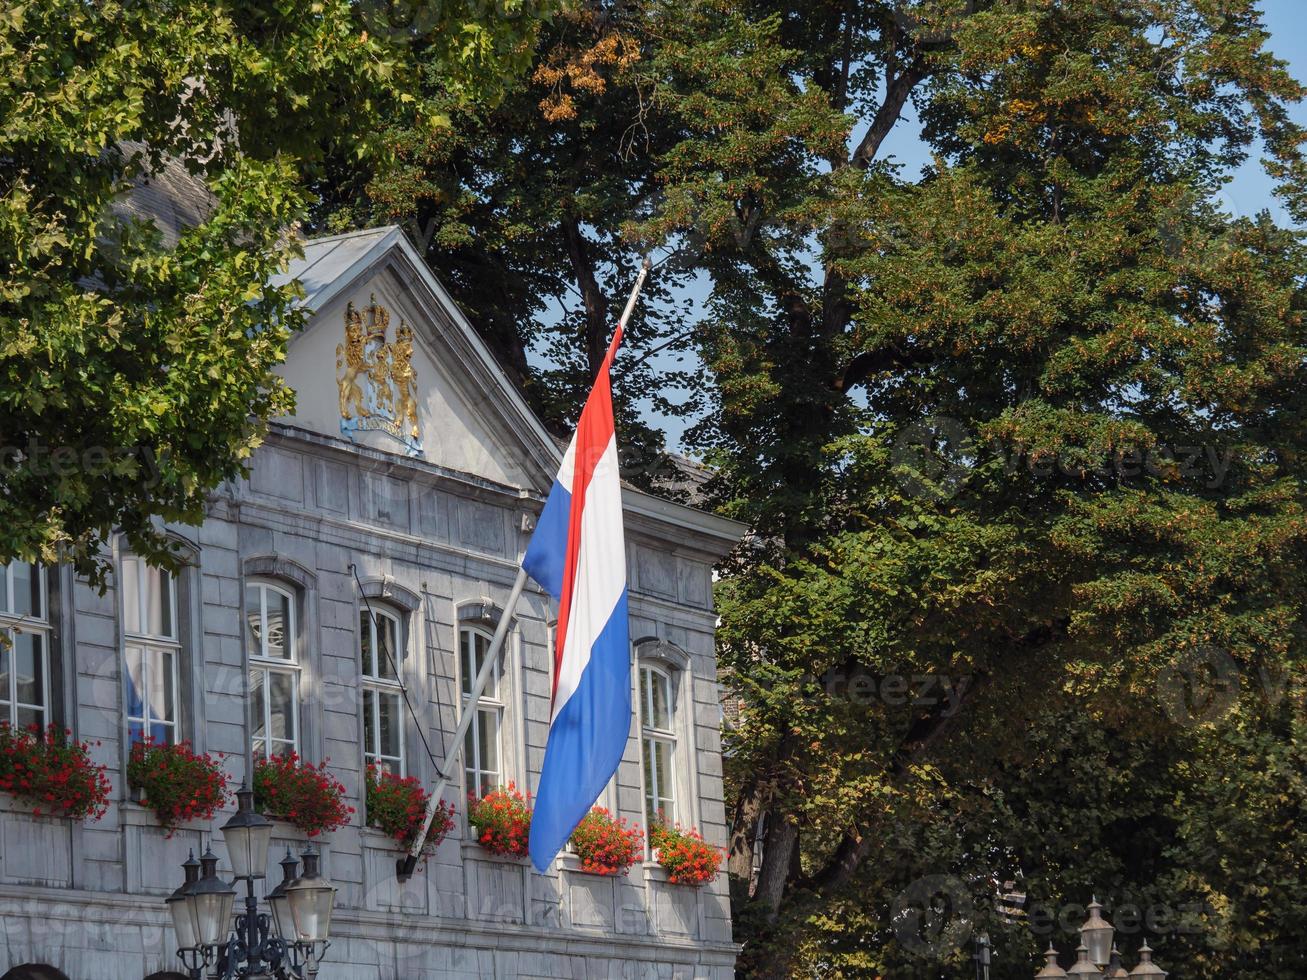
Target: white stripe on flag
600,573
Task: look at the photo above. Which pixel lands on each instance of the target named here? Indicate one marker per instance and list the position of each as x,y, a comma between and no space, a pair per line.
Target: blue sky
1247,194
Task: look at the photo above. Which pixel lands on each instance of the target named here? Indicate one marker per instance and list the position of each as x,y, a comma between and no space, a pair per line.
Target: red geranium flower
175,782
502,820
305,795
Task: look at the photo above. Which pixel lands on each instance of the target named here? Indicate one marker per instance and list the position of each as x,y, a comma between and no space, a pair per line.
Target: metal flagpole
444,773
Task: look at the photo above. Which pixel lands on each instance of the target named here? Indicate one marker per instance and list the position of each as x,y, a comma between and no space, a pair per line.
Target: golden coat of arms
378,386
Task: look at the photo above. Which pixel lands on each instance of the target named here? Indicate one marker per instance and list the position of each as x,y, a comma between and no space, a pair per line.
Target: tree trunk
596,304
777,856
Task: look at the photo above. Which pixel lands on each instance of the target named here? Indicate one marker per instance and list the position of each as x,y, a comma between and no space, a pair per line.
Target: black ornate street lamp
287,945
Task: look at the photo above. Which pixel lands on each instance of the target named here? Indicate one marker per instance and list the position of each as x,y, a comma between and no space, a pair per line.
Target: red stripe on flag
592,434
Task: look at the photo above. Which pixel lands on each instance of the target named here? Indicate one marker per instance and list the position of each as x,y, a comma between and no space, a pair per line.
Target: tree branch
897,91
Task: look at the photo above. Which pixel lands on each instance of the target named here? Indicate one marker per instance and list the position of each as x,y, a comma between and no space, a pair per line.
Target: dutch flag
579,556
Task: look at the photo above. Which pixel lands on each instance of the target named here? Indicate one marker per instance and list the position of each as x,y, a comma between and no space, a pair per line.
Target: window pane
254,619
258,710
365,642
468,664
369,717
475,646
135,682
281,698
388,655
650,782
158,602
27,590
483,649
6,658
488,733
388,706
29,661
660,709
279,624
161,688
663,775
131,589
470,758
31,718
161,732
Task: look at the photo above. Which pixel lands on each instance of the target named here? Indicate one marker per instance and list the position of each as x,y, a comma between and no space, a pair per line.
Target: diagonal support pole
406,865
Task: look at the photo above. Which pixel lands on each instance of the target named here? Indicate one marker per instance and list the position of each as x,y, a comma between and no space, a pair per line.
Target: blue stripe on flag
587,739
547,552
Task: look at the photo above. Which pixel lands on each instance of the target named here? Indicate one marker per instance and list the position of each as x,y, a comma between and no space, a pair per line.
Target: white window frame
265,665
375,686
650,735
151,647
491,705
36,623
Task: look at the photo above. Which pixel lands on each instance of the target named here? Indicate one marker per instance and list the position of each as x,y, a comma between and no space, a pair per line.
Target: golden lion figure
405,378
350,364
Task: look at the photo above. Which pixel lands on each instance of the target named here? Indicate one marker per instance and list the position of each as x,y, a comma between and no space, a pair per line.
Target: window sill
572,863
9,803
379,840
131,813
474,851
653,871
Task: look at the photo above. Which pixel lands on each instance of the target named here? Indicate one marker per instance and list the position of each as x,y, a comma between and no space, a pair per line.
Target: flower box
684,855
606,845
397,806
175,782
308,797
501,821
52,774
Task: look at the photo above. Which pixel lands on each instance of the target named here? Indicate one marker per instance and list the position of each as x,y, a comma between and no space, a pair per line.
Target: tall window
274,645
153,651
657,743
25,647
481,755
383,728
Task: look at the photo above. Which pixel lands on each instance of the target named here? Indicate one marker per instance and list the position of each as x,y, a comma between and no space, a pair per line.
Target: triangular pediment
388,361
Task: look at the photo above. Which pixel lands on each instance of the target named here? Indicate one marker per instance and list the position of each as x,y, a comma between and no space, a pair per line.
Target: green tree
135,372
532,212
959,414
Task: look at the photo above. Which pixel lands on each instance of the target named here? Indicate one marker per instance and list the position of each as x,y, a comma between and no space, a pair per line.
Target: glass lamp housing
210,900
311,900
283,922
247,835
1096,934
183,922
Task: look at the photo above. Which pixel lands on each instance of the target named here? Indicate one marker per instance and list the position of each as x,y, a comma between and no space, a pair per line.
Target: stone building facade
408,481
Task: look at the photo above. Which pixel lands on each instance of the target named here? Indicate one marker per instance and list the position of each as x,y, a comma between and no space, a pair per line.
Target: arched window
152,650
272,622
658,748
482,749
25,647
381,645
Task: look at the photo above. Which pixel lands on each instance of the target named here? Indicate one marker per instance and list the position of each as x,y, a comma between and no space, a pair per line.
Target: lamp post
288,944
982,956
1097,957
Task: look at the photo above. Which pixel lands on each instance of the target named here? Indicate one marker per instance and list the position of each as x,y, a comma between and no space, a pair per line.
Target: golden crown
378,319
